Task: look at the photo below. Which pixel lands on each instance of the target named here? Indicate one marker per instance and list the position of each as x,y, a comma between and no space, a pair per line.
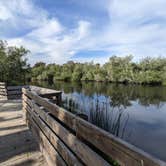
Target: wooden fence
15,92
66,139
3,91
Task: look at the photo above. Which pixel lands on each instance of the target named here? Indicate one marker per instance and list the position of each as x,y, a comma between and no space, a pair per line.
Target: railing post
24,106
57,99
3,91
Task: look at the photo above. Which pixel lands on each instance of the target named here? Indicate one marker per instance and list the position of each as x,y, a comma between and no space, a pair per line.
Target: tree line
13,64
14,69
116,70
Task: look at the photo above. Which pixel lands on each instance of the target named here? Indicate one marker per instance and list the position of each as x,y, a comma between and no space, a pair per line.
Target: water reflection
132,112
120,95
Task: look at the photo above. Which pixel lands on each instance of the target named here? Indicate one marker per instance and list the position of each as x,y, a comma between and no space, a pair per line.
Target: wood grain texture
46,147
84,153
56,142
61,148
58,112
124,153
17,145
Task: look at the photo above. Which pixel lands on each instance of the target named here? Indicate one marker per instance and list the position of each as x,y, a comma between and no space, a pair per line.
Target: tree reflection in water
121,110
106,103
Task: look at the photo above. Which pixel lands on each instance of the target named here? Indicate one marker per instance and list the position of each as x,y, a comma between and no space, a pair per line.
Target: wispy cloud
130,27
138,27
43,35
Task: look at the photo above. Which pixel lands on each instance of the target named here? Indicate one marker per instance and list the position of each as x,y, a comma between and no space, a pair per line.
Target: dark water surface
134,113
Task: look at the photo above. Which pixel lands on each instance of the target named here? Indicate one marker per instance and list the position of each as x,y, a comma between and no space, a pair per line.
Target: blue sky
84,30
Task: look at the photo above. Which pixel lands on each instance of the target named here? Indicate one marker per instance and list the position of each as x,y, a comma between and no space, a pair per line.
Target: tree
13,64
117,69
77,73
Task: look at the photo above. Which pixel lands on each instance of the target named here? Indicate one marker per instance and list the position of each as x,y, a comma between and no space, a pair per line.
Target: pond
135,113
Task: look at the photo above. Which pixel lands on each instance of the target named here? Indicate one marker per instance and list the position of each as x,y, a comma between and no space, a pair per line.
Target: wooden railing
15,92
3,91
66,139
10,92
53,95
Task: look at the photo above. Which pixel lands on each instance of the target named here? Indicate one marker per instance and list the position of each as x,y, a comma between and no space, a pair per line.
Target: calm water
134,113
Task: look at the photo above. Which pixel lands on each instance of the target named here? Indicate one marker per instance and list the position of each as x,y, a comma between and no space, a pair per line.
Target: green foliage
77,73
14,69
88,76
13,64
117,69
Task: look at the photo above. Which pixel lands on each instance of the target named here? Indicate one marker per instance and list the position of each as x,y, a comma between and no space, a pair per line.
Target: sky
56,31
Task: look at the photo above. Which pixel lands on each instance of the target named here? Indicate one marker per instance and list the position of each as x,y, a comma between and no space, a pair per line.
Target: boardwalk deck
62,137
17,145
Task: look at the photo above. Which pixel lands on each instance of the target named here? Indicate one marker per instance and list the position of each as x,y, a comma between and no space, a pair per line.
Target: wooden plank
67,155
2,84
3,90
40,90
61,148
124,153
47,148
33,158
12,97
113,147
25,108
26,100
54,97
3,94
48,93
88,156
2,87
16,151
14,92
11,88
60,113
16,142
50,154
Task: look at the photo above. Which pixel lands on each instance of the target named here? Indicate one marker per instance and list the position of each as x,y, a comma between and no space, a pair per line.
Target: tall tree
13,64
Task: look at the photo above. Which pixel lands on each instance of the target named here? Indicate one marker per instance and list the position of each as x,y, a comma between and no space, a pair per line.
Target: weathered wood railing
15,92
3,91
10,92
53,95
66,139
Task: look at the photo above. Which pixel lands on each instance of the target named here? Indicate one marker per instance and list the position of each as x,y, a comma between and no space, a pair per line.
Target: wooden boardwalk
62,137
17,145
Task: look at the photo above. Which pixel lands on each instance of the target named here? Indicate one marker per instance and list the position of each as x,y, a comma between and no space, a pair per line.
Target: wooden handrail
15,92
80,136
3,91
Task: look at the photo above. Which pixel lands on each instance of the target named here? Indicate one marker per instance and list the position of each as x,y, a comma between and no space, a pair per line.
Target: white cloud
4,14
137,27
50,28
47,37
133,27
